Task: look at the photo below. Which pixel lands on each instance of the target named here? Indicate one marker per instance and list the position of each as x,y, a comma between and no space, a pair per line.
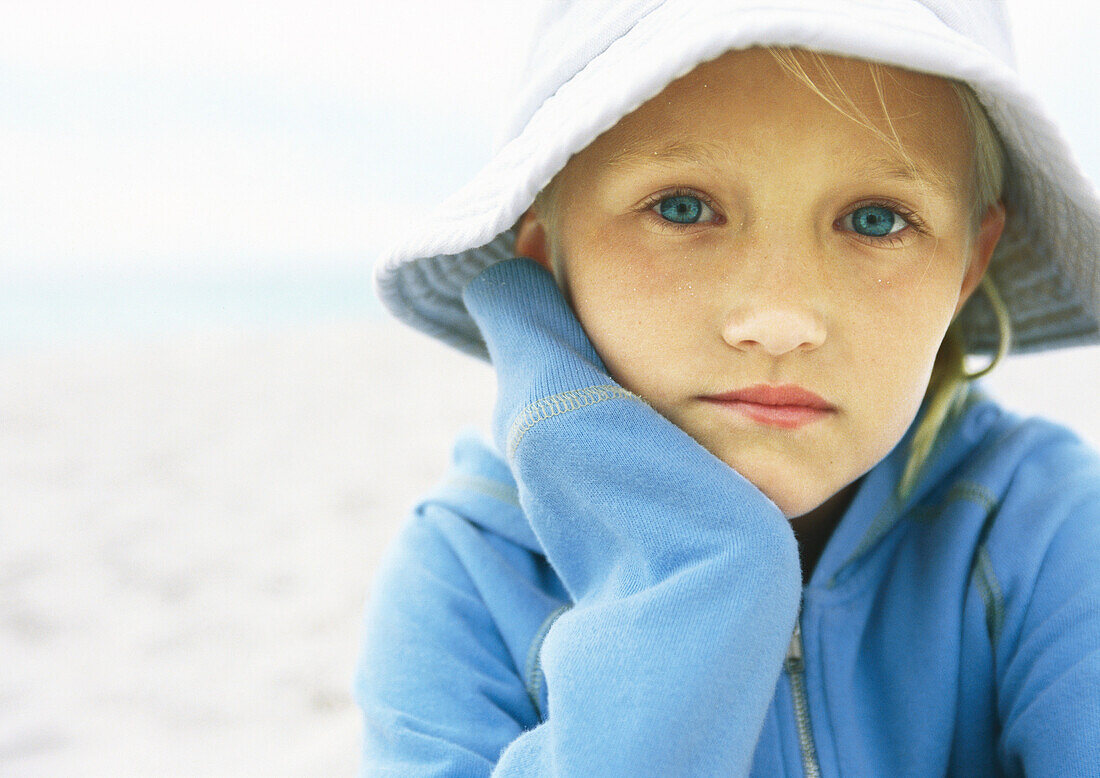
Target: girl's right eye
682,208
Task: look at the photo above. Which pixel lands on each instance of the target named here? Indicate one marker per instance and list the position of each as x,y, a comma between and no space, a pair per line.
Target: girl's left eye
874,221
683,209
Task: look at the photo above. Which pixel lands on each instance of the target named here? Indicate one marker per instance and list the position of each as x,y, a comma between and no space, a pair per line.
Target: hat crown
983,21
568,34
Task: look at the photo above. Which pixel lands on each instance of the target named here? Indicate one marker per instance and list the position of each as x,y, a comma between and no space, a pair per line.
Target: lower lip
784,416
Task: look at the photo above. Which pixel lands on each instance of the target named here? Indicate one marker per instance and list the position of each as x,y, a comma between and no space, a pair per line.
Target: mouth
786,406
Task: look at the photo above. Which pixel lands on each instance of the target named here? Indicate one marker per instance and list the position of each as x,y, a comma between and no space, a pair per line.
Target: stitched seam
992,597
987,600
533,674
558,404
487,487
961,490
984,577
974,492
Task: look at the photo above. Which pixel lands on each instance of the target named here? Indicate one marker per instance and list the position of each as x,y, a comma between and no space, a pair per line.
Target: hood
479,487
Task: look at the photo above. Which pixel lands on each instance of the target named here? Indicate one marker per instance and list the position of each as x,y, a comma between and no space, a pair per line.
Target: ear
989,232
531,240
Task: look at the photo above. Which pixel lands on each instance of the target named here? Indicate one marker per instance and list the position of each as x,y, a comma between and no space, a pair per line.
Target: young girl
744,511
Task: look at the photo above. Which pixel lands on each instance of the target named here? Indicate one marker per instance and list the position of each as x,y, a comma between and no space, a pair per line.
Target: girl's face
736,231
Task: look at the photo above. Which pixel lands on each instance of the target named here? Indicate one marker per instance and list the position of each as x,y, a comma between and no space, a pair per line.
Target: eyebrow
708,154
636,153
885,167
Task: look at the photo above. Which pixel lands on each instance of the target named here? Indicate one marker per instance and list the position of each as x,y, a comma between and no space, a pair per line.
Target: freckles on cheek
893,334
905,302
622,286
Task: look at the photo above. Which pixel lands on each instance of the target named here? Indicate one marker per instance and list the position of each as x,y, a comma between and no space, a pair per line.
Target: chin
778,490
793,502
780,474
793,507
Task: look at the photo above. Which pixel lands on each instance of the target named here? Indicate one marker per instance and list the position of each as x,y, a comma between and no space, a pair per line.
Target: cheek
911,303
639,313
900,327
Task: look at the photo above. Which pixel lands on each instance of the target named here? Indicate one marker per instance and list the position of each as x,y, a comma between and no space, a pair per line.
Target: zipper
796,672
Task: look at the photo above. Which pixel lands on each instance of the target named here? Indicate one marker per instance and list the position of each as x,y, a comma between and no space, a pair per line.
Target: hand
544,361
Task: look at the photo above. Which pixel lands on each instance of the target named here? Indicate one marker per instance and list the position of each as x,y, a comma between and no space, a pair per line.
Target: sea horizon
46,310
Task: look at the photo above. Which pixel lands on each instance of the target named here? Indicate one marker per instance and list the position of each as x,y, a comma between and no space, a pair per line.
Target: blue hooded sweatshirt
595,594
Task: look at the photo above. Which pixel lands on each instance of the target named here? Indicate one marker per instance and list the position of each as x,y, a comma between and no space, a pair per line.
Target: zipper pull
793,662
795,670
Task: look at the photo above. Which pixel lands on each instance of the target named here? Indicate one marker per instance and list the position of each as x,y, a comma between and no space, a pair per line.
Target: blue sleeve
1049,692
685,581
439,692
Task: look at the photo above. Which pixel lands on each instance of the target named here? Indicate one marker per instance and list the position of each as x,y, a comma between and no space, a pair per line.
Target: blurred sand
188,533
189,529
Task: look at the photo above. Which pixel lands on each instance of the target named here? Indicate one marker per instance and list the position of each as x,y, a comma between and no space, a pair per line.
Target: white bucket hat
594,61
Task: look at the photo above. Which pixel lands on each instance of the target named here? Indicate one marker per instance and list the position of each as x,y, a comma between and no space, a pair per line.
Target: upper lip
765,394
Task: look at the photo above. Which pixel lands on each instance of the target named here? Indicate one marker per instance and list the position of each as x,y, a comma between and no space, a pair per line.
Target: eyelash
912,220
652,201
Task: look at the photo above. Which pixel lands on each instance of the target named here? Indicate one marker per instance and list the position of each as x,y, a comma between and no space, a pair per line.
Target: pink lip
787,406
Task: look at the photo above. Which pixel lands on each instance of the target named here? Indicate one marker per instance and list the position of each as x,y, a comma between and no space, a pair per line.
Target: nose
775,331
775,317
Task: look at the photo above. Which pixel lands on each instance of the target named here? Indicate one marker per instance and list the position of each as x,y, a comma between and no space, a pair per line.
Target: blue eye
682,209
874,221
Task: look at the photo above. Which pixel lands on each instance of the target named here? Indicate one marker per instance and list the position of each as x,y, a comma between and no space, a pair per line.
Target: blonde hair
949,384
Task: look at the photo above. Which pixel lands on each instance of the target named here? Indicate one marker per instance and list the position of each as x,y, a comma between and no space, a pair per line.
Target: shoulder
1020,452
1039,552
1040,475
1029,475
1037,567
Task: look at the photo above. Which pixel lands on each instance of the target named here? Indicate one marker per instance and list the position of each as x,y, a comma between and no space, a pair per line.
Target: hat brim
1045,266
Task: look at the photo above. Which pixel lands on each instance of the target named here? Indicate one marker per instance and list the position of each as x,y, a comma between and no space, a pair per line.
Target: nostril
774,331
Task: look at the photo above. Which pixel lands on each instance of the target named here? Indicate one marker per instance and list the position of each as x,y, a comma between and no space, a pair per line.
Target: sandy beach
190,527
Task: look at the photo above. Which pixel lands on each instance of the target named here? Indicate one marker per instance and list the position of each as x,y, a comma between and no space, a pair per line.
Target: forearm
685,577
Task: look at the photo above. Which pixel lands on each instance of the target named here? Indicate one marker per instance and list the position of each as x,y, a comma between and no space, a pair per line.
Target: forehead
746,102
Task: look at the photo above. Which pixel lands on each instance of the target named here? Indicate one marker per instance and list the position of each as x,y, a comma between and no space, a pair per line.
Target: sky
146,136
154,134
